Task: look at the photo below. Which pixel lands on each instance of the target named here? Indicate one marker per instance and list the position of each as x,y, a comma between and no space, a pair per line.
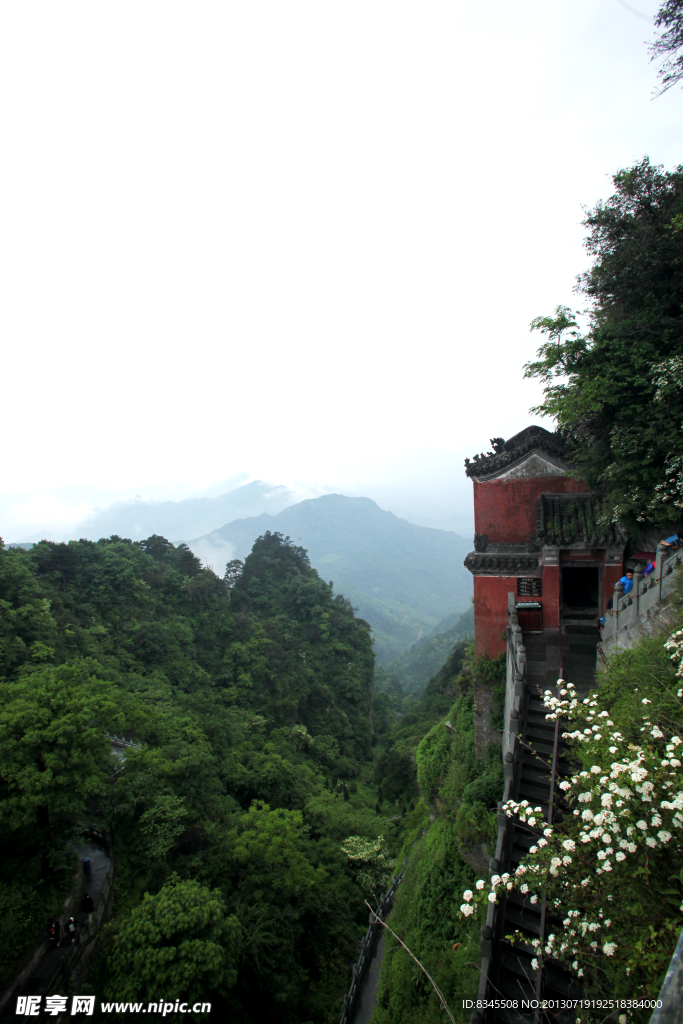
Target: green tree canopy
28,631
178,944
54,754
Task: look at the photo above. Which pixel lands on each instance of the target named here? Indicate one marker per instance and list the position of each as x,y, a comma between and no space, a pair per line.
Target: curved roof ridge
506,452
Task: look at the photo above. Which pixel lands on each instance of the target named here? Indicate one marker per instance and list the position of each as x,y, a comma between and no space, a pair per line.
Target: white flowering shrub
611,869
675,646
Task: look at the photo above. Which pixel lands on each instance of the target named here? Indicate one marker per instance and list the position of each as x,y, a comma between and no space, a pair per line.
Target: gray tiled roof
563,519
505,453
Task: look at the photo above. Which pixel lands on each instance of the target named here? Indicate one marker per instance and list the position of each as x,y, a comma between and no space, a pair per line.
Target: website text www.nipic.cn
30,1006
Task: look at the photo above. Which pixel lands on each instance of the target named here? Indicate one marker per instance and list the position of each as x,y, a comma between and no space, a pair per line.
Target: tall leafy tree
616,390
177,944
54,753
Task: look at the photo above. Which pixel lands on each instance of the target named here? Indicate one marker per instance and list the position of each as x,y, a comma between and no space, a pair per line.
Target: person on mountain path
54,930
88,906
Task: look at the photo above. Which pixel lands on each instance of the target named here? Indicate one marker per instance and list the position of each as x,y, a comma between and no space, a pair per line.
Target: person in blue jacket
627,581
674,541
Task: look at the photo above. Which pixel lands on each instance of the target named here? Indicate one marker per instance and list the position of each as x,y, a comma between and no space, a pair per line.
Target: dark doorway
579,624
580,587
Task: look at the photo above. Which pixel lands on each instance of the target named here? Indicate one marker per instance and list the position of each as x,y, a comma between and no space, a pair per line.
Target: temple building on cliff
541,543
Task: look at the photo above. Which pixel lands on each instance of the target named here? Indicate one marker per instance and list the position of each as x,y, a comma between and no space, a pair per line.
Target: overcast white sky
302,240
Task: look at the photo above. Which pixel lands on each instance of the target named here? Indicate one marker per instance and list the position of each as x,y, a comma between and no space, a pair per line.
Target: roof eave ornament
506,452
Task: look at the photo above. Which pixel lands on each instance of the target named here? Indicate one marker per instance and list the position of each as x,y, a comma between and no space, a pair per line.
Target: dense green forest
258,808
251,707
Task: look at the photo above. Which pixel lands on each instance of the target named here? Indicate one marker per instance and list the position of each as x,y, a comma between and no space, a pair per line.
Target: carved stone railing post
659,565
616,601
637,588
644,608
521,655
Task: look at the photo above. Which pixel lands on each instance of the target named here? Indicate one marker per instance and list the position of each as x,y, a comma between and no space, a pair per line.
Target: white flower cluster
667,377
675,645
668,492
631,803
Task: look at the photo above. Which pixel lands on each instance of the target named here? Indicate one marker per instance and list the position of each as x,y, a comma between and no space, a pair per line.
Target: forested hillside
428,759
402,578
413,670
269,791
250,706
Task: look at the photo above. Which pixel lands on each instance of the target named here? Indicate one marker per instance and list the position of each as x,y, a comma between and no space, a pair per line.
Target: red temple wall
491,613
506,509
491,602
491,608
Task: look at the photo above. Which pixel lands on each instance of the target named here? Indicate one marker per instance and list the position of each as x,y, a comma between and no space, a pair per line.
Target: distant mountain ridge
177,520
402,578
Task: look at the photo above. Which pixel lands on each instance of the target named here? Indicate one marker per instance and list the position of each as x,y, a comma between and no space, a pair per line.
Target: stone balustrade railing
119,741
635,613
